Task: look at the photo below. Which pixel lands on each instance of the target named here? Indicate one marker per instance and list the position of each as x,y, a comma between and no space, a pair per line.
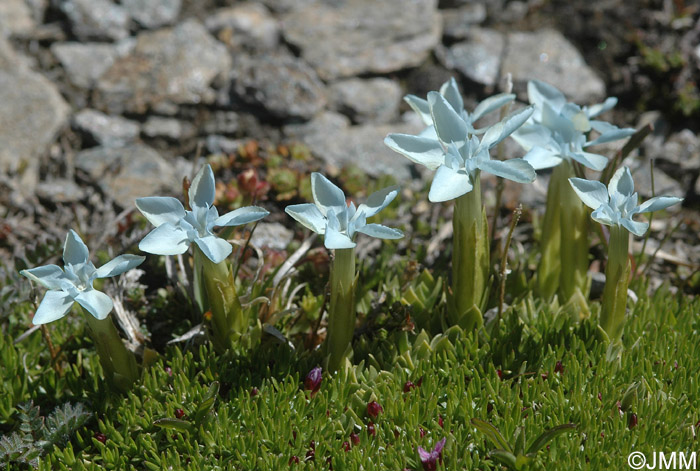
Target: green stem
119,363
341,317
470,259
228,320
617,271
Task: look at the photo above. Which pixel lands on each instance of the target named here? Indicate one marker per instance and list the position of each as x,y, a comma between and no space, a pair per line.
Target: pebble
15,18
367,100
96,19
106,130
478,58
153,13
245,25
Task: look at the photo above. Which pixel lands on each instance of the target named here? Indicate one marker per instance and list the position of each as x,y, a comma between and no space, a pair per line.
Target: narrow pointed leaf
548,436
492,434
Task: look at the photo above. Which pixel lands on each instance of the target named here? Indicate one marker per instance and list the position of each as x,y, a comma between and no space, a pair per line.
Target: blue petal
241,216
599,108
48,276
540,93
378,201
203,188
161,209
95,302
381,232
449,184
490,104
165,239
605,215
657,203
119,265
592,193
451,93
636,228
337,240
595,162
308,215
425,151
421,107
55,305
621,182
505,127
215,248
326,194
449,126
540,158
74,250
559,124
532,135
517,170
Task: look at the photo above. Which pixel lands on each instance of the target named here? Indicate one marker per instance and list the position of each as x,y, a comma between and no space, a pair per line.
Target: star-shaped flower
457,153
336,221
558,129
74,282
617,204
430,459
176,227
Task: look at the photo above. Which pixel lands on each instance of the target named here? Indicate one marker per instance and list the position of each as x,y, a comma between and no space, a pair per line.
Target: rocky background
103,101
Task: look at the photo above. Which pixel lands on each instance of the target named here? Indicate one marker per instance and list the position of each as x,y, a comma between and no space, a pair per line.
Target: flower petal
451,93
380,232
450,127
48,276
421,107
657,203
609,132
449,184
74,250
326,194
505,127
378,201
541,158
592,193
161,209
96,303
539,93
337,240
636,228
241,216
165,239
215,248
490,104
532,135
421,150
599,108
595,162
517,170
203,189
308,215
604,215
621,182
55,305
119,265
439,446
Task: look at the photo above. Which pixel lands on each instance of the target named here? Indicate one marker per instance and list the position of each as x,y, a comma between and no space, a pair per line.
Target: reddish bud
355,439
374,409
254,392
500,374
408,386
293,459
371,430
169,370
313,380
559,367
600,397
441,422
632,421
421,431
346,446
179,413
100,437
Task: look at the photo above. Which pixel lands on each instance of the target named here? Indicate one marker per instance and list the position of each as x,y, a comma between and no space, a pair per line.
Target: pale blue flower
457,153
331,216
558,130
74,282
617,204
176,228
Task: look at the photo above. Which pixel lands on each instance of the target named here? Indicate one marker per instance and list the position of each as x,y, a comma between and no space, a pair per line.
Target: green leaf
506,458
492,434
548,436
174,424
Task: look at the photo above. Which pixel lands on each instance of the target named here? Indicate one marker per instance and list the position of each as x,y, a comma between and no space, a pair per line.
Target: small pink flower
430,459
313,380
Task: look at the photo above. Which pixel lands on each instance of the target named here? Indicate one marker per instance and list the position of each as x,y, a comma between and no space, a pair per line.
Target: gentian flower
558,129
74,282
176,227
457,154
331,217
430,459
617,204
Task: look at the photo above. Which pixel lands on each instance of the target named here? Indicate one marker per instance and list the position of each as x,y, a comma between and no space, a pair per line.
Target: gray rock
128,173
173,64
222,145
247,25
84,63
351,37
153,13
96,19
282,85
15,18
109,131
547,55
31,115
60,191
681,150
663,184
331,137
168,128
458,22
221,122
364,100
285,6
478,58
271,235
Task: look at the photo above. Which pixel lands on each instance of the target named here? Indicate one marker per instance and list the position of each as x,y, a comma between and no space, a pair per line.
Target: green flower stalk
615,206
73,284
177,228
338,222
451,146
556,135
